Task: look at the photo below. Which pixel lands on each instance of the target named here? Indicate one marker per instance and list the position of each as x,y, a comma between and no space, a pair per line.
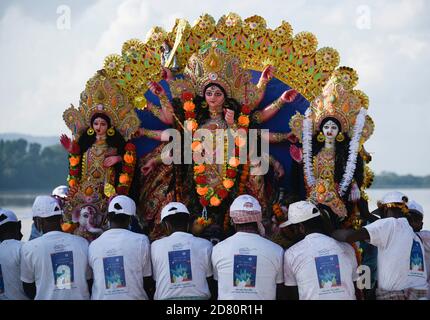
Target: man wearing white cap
416,216
10,258
319,267
402,272
54,265
59,193
254,263
120,259
181,262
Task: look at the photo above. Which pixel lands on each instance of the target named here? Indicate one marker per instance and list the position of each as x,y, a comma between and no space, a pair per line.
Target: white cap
173,208
413,205
7,216
46,206
299,212
122,205
60,191
245,202
394,197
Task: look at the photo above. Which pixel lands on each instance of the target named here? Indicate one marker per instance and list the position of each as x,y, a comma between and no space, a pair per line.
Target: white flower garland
353,150
307,148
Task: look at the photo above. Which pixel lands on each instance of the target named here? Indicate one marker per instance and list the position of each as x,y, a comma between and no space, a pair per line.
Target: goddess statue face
214,98
86,216
100,126
330,130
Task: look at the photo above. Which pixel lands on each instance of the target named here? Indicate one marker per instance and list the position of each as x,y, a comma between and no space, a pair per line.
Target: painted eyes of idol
216,93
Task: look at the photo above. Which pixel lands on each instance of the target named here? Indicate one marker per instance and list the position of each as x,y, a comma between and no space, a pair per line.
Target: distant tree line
390,180
25,166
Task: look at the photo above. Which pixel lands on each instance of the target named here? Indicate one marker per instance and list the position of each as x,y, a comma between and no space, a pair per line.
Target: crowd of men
321,264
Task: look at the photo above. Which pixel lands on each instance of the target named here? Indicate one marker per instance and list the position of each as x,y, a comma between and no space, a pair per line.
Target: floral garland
353,151
74,168
128,164
209,196
307,148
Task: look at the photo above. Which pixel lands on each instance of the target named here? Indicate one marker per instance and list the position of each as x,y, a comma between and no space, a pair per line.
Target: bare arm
166,106
265,77
268,112
349,235
29,289
213,287
149,287
153,134
292,292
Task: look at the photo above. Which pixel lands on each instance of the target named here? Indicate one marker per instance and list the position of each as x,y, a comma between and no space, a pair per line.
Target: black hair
314,225
10,227
178,220
121,219
341,158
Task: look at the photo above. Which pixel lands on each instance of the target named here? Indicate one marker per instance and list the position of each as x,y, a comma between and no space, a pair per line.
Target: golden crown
214,65
339,102
101,95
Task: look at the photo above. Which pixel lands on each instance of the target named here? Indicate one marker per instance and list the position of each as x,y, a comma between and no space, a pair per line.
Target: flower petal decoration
305,43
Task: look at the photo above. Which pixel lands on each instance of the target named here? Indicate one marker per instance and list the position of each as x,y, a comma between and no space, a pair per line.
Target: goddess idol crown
101,95
213,64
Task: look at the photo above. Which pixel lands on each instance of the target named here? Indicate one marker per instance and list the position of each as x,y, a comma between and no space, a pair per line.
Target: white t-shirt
247,267
322,268
120,259
10,280
181,263
425,238
401,262
58,263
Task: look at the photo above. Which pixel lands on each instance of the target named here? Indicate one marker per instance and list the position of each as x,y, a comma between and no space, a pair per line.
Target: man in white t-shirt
181,262
402,272
120,259
246,265
55,265
416,216
317,267
10,258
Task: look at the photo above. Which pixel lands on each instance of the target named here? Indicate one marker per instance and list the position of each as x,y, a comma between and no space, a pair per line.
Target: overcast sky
44,68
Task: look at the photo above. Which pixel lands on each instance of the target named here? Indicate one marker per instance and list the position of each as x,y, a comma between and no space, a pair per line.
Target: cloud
45,69
398,15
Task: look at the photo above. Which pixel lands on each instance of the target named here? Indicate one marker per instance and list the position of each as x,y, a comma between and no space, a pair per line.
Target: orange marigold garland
128,165
209,196
74,165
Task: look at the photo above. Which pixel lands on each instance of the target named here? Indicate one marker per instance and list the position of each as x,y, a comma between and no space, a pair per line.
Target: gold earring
321,137
111,132
340,137
90,131
204,105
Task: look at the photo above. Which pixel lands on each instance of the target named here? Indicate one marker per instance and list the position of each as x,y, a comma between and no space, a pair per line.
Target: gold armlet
149,133
277,104
164,100
280,137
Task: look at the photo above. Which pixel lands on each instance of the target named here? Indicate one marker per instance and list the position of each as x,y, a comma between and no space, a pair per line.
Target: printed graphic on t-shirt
1,282
417,258
180,266
328,271
114,272
244,271
62,265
